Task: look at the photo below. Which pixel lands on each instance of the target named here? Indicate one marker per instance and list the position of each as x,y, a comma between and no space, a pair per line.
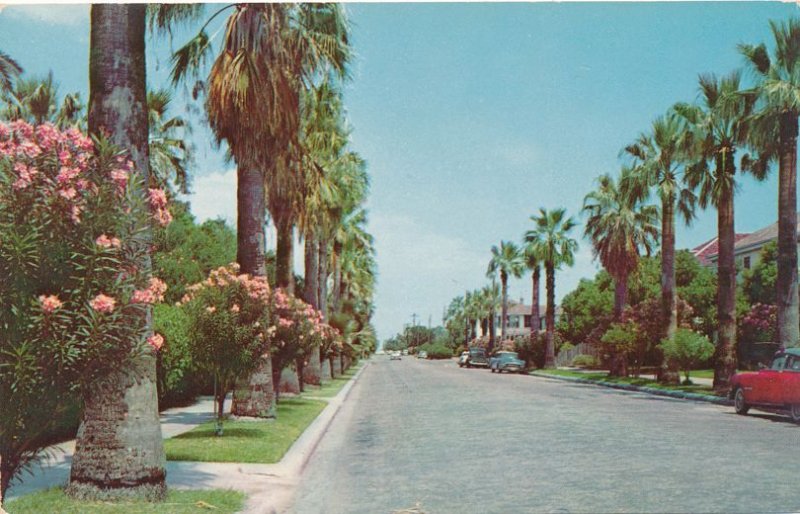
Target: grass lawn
331,388
263,442
603,377
178,502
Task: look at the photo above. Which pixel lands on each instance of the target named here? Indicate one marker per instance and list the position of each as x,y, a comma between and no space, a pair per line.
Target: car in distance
477,358
506,361
395,356
422,355
776,388
462,359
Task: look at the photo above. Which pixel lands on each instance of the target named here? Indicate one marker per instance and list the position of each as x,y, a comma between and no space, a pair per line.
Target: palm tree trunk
323,277
620,296
336,293
535,316
312,372
284,272
787,296
504,319
550,317
119,450
491,331
725,358
669,306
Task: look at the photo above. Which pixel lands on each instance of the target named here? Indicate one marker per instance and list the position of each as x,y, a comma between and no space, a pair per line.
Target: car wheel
469,365
739,403
794,411
491,369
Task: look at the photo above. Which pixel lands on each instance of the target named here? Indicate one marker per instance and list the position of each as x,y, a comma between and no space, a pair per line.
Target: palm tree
716,129
657,164
506,260
551,242
620,228
119,449
533,263
9,70
269,54
492,301
35,100
170,155
775,121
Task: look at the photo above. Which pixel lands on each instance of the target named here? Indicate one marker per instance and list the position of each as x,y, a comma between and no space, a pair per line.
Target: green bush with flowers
74,241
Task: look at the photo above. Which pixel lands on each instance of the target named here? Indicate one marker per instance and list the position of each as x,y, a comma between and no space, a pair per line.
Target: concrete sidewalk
269,486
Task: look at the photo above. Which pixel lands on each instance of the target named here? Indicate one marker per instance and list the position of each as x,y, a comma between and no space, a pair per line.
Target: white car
462,361
395,356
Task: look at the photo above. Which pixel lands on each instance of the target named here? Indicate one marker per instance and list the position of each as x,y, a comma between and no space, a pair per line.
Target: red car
776,388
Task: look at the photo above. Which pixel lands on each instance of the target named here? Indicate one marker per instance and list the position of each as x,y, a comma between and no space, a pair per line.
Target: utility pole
414,324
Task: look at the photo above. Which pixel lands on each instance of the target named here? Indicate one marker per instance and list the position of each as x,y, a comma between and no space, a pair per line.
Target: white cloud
72,14
214,196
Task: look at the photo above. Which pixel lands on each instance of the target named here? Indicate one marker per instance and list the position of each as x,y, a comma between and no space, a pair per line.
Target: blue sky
471,117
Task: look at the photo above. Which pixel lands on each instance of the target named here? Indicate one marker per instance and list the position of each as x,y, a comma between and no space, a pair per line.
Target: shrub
687,349
618,342
74,230
436,350
179,379
585,361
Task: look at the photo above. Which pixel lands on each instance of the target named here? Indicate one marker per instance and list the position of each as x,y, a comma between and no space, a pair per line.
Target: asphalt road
431,436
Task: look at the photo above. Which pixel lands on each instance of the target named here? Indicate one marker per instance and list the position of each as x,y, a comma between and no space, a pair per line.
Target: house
710,248
747,249
519,319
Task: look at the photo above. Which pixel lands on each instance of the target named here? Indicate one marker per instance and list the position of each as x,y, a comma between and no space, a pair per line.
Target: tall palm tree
716,129
119,449
507,260
533,263
9,70
775,121
492,301
620,228
551,242
35,100
658,159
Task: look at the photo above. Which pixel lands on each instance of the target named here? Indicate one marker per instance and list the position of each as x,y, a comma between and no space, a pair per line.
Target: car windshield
477,353
508,356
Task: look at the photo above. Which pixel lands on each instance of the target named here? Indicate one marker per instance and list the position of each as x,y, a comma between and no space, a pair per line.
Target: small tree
229,316
686,350
618,342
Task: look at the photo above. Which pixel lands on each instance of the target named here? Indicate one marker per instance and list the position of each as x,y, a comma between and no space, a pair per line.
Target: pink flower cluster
102,303
156,341
50,303
762,317
154,292
158,203
103,241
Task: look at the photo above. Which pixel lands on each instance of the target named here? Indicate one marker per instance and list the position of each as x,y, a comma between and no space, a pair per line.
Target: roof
523,309
710,248
757,239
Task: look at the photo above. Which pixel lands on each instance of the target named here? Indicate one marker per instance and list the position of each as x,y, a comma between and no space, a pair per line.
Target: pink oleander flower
163,217
286,323
235,308
67,174
157,198
103,303
158,287
120,178
143,296
75,214
68,193
22,128
156,341
107,242
50,303
47,135
211,309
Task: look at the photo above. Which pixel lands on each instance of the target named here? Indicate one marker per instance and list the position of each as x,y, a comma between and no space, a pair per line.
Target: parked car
422,355
506,361
395,356
462,360
405,352
477,358
776,388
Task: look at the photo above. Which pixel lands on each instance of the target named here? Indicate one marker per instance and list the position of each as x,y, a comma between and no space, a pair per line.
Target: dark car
477,358
776,388
506,361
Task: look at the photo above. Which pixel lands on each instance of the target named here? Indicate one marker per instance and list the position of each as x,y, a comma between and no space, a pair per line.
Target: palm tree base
254,397
85,491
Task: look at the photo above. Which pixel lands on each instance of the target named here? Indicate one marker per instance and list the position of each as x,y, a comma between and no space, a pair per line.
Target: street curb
297,456
681,395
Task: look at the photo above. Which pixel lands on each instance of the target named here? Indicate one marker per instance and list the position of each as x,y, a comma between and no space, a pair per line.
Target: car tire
469,365
794,412
491,369
739,403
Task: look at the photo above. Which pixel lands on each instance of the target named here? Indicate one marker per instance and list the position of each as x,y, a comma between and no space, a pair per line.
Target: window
747,263
793,363
778,363
527,321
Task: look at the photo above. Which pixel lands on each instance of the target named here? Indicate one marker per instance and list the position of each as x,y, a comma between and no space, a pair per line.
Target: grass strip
262,442
178,502
643,382
331,388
